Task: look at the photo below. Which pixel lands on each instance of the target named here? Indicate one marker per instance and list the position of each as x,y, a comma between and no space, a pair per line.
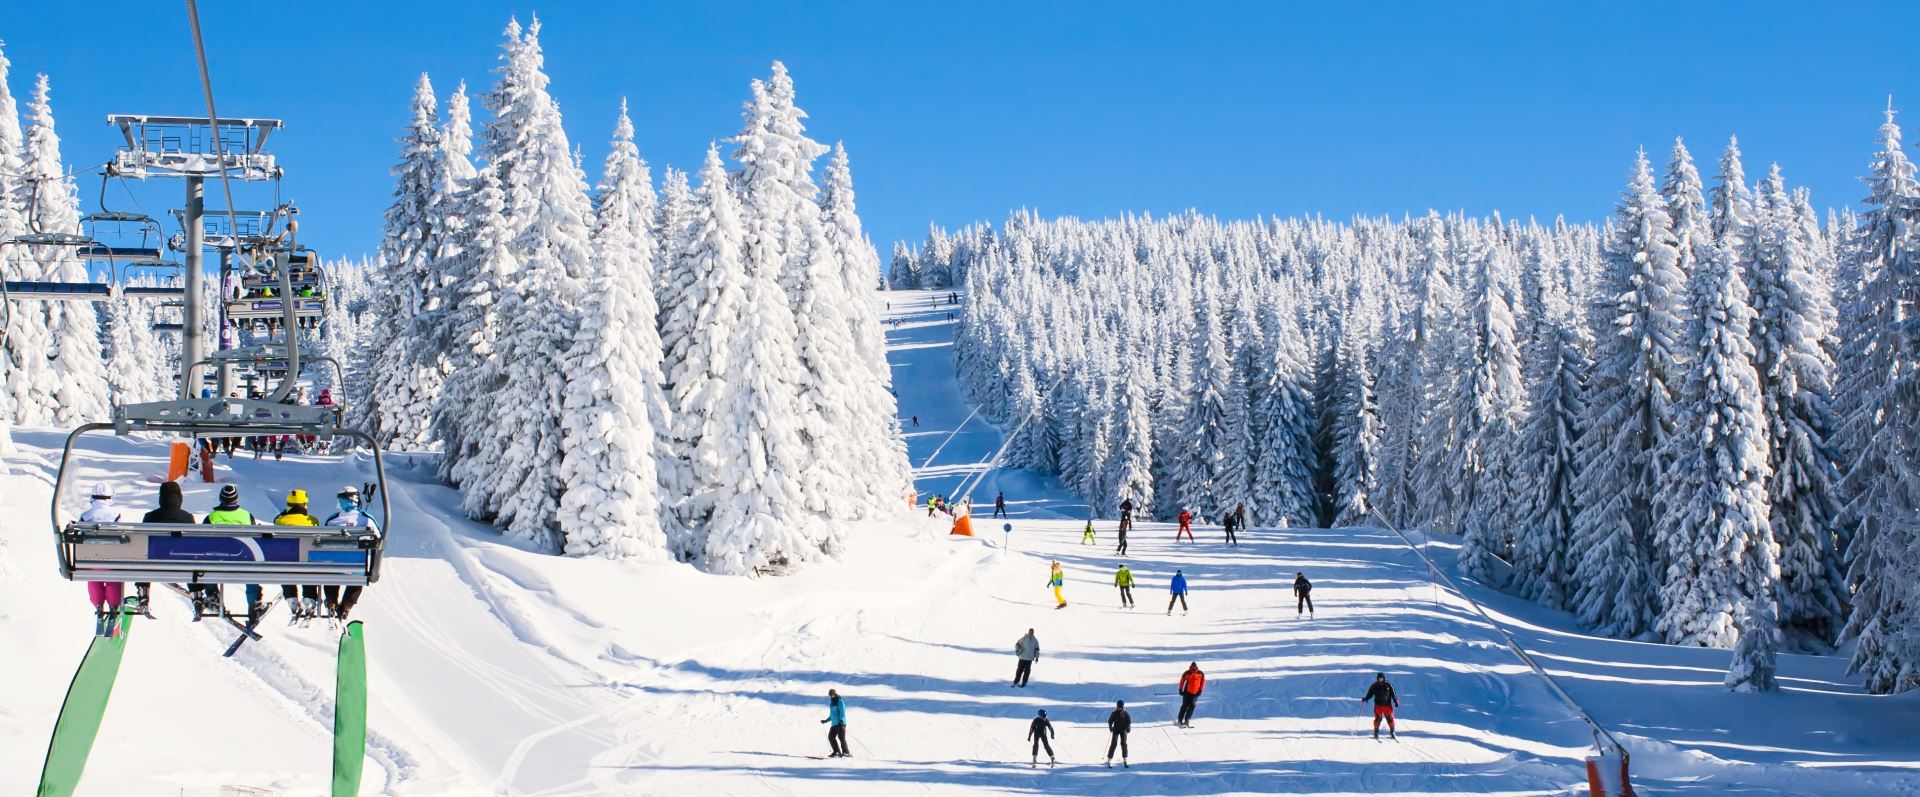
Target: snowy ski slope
496,670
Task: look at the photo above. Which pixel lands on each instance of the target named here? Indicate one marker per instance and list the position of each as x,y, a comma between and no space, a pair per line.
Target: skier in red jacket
1191,683
1186,526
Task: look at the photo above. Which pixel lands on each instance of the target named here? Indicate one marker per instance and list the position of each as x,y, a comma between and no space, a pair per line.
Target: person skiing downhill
836,723
1126,515
1384,702
1086,534
1039,732
1186,526
1119,723
1303,593
1027,650
999,505
1177,591
1123,578
1191,683
1227,523
1121,549
104,596
1058,581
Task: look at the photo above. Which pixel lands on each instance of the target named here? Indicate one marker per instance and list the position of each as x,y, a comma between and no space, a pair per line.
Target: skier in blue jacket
1178,592
836,723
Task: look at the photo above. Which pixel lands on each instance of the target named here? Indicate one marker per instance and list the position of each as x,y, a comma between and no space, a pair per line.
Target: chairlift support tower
193,149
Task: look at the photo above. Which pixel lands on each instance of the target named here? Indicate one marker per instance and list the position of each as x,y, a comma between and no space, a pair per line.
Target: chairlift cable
213,116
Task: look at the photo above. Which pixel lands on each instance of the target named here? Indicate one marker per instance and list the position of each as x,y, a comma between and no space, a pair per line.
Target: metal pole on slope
1602,740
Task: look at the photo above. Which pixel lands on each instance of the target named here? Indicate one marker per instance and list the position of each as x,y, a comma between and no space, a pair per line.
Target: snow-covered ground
496,670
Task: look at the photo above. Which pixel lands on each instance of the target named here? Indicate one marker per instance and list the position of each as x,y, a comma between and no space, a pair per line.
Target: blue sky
963,111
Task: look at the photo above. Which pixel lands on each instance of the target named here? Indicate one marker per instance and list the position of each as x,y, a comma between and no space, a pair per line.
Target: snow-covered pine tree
453,214
1487,407
26,331
548,218
874,421
1419,489
675,217
610,449
1754,667
1629,414
1711,515
761,511
1793,329
1282,424
1541,467
80,388
1131,466
1200,470
1880,427
698,336
1356,433
398,409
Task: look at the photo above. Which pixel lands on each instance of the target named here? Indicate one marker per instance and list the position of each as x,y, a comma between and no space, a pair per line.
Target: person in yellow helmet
1058,581
304,601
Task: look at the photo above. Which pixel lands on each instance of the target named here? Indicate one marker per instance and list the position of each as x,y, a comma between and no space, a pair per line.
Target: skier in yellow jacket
1058,581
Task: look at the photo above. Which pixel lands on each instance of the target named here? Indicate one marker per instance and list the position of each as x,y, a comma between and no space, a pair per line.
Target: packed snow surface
499,670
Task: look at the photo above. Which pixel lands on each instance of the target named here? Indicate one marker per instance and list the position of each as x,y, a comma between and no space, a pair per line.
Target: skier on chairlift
229,513
105,596
339,602
304,600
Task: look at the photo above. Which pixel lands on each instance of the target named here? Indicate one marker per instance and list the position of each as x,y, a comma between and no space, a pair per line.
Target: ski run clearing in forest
497,670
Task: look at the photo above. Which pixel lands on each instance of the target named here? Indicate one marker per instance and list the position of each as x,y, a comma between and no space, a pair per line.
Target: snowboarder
1186,526
999,505
305,601
1191,683
1027,650
1126,516
1038,732
1086,534
1119,723
169,511
1228,523
1177,591
1058,581
350,516
836,723
229,513
105,596
1303,592
1384,702
1123,578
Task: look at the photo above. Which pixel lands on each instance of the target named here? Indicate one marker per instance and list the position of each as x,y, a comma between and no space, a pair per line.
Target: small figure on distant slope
1027,649
1039,732
1384,702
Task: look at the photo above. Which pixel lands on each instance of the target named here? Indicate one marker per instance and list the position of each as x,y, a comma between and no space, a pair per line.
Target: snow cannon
1607,775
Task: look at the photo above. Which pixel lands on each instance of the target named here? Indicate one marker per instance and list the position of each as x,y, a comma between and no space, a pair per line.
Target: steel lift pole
192,347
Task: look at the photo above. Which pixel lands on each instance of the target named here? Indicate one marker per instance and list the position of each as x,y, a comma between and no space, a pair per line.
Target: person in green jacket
229,513
1124,580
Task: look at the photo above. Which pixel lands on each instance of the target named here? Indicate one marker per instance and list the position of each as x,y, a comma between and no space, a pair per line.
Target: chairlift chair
195,554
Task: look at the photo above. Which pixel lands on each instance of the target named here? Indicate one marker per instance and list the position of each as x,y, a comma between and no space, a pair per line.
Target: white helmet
102,490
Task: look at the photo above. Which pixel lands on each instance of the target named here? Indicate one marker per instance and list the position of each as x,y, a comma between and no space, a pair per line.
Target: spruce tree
79,390
610,447
398,411
1629,413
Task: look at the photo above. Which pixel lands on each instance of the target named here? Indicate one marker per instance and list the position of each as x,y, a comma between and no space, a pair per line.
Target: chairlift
201,554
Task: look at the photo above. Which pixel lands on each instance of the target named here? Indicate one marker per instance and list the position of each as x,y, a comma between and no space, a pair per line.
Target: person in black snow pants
1227,524
1038,732
1303,592
1384,702
836,723
1119,723
999,505
1027,650
1121,549
1126,516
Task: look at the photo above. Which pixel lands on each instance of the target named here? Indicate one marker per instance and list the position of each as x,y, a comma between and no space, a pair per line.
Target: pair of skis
78,725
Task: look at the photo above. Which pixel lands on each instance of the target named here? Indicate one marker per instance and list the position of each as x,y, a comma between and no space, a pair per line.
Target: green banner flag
80,715
350,713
